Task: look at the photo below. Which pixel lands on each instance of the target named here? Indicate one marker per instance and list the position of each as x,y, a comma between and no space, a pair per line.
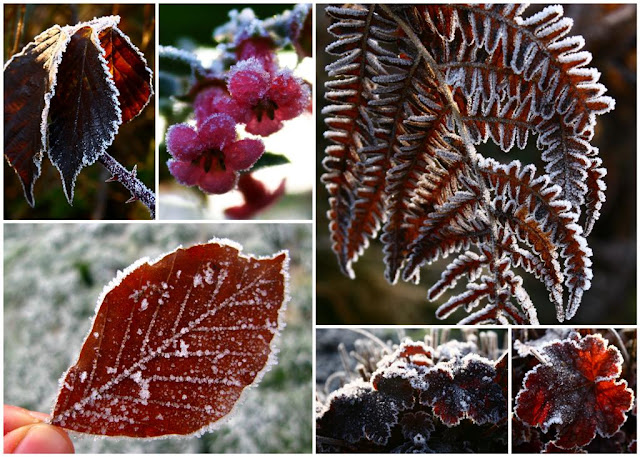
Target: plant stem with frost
129,180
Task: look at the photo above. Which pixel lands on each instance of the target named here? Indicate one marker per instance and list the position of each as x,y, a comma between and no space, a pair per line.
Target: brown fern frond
422,131
414,90
467,264
347,119
595,193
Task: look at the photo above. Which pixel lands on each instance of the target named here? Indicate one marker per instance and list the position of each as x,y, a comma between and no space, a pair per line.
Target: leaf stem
129,180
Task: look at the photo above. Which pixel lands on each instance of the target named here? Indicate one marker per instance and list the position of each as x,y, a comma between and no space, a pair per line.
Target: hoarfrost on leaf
577,391
155,357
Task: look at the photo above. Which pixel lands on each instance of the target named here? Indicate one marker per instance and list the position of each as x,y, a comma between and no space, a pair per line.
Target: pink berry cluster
254,92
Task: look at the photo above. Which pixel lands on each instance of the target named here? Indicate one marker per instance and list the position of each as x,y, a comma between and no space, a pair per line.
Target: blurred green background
610,33
133,145
198,21
53,275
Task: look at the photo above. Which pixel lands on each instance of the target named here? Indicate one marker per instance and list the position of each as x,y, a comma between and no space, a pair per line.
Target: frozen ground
53,275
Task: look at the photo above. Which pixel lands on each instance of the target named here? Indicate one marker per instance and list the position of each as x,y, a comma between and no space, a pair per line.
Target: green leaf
270,159
177,62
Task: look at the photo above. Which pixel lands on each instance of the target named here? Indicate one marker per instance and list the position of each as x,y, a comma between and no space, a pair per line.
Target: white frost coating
132,373
170,52
144,304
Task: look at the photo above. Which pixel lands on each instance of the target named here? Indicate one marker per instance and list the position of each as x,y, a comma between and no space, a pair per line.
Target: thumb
38,439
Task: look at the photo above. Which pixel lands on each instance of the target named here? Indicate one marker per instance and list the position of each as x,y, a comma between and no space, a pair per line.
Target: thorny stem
129,180
433,68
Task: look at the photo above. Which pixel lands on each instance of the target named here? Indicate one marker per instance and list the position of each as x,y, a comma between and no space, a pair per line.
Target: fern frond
468,263
595,196
347,119
414,89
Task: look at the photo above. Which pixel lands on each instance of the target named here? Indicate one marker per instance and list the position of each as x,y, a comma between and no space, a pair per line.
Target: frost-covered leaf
175,342
64,93
464,388
416,429
577,390
29,78
357,412
85,115
128,68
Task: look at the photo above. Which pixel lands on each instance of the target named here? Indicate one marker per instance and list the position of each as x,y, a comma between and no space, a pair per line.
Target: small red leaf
577,390
84,110
129,70
28,78
175,342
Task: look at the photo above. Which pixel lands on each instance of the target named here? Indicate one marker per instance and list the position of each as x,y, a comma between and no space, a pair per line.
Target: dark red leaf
418,423
464,388
28,78
525,439
502,373
175,342
129,70
357,411
84,110
577,390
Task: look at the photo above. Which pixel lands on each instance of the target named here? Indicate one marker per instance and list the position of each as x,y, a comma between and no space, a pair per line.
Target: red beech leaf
84,110
28,80
175,342
577,390
129,71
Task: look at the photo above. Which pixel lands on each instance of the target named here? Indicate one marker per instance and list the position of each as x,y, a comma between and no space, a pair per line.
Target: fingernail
44,439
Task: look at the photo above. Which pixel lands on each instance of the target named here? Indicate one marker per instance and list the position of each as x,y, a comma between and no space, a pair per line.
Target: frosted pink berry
248,81
218,181
261,48
182,139
210,156
216,100
242,154
186,173
271,99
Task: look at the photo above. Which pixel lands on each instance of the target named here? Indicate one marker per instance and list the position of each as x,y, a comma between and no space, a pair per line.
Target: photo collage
319,228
